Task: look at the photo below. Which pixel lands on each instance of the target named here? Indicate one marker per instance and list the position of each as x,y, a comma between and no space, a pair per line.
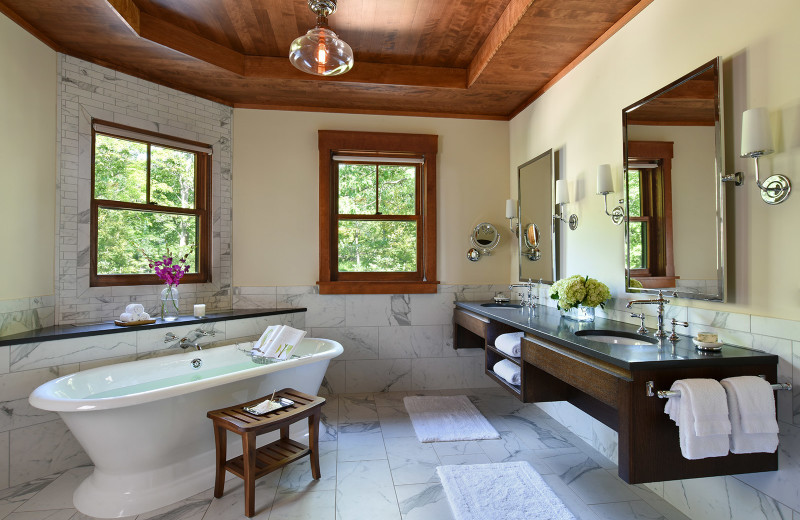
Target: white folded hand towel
508,370
278,341
134,308
701,413
127,317
751,404
510,343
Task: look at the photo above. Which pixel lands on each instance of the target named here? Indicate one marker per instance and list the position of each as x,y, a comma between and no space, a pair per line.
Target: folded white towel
278,341
508,370
509,343
143,316
752,408
134,308
127,316
701,413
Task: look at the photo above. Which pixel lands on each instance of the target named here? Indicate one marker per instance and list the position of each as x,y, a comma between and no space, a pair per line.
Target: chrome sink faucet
527,299
660,301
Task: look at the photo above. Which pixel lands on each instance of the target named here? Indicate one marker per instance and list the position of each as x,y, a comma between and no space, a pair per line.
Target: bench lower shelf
270,457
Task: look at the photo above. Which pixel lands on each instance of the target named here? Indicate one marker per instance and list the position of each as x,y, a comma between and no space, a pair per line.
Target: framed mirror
675,208
538,244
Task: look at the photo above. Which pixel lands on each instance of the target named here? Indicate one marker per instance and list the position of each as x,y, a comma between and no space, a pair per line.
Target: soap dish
702,345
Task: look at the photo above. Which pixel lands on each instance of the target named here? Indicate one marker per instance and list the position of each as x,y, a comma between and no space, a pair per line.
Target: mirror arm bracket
736,178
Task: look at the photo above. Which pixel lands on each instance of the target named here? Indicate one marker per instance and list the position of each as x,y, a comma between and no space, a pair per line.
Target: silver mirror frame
484,249
554,229
719,195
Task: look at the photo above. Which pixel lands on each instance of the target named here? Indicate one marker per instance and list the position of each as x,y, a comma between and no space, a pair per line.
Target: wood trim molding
511,16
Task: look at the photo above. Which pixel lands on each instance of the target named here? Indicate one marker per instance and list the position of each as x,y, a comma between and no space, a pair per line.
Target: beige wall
581,115
27,175
275,196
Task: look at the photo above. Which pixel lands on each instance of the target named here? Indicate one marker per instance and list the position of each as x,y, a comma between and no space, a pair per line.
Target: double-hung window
377,212
150,192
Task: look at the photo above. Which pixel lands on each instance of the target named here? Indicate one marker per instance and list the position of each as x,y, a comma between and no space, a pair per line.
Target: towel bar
665,394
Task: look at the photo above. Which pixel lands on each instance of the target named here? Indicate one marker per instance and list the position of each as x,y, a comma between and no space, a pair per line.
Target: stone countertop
108,327
547,323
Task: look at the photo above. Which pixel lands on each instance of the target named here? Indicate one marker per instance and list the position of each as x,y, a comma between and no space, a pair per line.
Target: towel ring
665,394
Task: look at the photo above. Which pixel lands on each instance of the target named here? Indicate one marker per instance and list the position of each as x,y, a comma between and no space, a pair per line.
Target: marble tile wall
770,496
35,443
395,342
87,91
24,314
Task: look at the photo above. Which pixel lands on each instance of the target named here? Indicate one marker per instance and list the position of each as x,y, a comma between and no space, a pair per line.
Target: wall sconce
757,141
511,214
605,185
562,197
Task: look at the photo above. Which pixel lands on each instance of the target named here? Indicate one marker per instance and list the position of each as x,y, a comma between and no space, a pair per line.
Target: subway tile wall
87,91
35,443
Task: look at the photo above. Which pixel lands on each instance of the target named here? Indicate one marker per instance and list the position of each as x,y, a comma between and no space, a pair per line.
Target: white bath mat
501,491
447,418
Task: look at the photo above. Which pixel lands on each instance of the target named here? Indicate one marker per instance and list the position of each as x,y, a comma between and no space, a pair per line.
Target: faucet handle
642,329
201,332
674,336
169,337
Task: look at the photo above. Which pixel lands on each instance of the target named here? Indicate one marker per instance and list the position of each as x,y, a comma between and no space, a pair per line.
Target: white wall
582,116
28,149
275,196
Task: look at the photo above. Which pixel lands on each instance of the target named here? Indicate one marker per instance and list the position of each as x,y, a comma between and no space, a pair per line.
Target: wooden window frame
657,209
202,209
372,144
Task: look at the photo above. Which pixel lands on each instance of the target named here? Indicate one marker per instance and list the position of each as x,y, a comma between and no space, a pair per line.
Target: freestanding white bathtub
144,424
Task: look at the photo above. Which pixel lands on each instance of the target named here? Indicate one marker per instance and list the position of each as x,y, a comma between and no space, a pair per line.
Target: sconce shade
756,133
562,195
511,208
321,52
605,184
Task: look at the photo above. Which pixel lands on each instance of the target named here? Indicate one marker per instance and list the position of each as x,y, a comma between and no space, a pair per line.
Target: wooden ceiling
485,59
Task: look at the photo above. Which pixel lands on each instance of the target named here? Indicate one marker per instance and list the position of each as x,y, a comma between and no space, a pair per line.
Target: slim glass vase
170,303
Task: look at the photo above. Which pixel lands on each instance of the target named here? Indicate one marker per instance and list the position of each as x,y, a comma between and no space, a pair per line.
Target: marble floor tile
55,514
575,505
364,489
411,461
58,494
456,448
589,481
231,505
389,398
395,422
296,477
13,498
360,427
313,505
357,408
636,510
361,446
468,458
423,502
192,508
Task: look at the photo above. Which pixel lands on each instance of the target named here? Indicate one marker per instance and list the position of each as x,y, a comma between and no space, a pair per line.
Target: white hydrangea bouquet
579,290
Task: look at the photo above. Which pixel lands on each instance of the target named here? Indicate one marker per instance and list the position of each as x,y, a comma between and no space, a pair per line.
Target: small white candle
199,310
562,195
605,184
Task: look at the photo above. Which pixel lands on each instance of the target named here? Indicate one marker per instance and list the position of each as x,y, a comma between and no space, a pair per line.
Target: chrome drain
197,363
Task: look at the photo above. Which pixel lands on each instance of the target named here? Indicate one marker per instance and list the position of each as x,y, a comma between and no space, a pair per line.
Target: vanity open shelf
611,383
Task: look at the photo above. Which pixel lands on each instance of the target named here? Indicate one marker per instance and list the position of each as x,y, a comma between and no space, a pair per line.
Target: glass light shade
756,133
511,208
321,52
562,195
605,184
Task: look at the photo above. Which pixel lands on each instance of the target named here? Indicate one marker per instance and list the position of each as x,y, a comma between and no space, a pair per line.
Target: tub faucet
190,340
660,301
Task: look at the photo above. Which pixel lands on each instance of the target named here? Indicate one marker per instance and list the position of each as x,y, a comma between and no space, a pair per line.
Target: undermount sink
509,305
617,337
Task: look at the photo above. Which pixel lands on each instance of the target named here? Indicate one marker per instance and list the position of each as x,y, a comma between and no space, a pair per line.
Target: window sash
202,203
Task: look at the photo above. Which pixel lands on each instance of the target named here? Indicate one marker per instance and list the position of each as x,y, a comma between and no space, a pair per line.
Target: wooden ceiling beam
362,72
513,13
128,12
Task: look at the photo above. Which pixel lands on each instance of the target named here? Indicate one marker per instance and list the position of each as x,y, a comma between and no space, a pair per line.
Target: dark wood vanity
610,383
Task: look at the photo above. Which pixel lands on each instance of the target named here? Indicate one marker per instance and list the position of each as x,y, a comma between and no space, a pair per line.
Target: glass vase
170,303
579,313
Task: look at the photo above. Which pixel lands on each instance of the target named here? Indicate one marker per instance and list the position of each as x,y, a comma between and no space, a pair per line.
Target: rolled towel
143,316
751,404
701,413
134,308
127,316
508,370
509,343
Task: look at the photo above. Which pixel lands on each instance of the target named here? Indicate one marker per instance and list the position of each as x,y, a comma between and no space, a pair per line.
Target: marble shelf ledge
107,327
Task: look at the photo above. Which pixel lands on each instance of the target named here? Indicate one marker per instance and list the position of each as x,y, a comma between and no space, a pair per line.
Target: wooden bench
255,462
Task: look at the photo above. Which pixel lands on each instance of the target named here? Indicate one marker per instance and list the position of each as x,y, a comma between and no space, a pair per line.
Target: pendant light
320,51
